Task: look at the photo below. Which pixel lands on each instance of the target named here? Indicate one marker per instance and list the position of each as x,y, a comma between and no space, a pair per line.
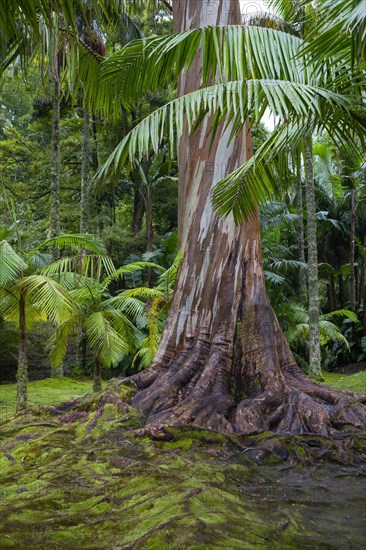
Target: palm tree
29,294
148,308
103,319
295,321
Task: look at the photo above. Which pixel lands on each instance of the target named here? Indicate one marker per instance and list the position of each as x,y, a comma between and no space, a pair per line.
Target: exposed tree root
191,392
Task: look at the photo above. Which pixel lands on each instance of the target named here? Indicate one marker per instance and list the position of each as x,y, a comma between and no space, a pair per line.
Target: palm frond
106,341
82,266
340,313
150,343
274,278
48,296
11,264
330,332
58,342
129,268
131,306
89,242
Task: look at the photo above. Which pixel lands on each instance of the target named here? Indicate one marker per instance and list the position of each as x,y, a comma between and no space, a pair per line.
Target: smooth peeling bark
223,362
22,372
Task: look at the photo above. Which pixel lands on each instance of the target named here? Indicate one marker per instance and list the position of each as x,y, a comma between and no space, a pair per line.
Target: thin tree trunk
85,174
149,232
352,276
341,290
332,300
138,211
223,362
363,285
97,380
55,163
84,350
301,239
313,279
22,372
95,160
56,372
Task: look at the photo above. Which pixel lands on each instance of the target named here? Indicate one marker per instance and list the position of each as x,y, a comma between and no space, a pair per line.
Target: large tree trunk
22,372
223,362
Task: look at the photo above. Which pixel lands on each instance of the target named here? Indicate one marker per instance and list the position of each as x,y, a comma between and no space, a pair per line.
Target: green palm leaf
48,296
58,343
89,242
108,343
11,264
129,268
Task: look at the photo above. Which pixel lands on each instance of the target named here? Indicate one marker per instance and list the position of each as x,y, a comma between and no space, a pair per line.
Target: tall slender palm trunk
55,225
85,174
55,162
223,362
138,211
149,231
301,239
313,277
97,380
352,250
22,372
363,285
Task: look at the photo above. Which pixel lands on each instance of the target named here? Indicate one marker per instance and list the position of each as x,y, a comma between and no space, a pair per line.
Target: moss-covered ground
352,382
88,478
49,391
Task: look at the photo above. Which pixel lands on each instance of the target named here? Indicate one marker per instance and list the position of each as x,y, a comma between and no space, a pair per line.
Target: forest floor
52,391
90,479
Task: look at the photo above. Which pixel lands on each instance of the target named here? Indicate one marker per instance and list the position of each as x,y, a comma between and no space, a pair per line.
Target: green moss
93,483
351,382
50,391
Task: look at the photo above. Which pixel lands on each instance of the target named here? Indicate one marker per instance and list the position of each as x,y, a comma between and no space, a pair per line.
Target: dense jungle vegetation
182,273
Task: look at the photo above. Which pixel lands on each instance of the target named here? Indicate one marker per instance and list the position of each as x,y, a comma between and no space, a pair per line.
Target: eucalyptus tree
28,294
223,361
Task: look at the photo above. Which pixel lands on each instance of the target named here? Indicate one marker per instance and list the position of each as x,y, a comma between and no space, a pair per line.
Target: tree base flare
189,394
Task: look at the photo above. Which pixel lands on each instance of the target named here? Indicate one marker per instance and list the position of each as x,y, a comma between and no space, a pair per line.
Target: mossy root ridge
88,475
